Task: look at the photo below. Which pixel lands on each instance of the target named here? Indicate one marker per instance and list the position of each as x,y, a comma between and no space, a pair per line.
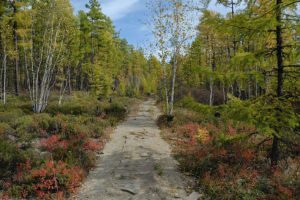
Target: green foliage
7,116
115,111
230,160
274,116
26,128
188,102
5,129
10,157
130,91
70,137
45,122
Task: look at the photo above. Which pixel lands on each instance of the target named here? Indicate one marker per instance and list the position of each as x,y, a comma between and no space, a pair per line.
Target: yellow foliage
203,136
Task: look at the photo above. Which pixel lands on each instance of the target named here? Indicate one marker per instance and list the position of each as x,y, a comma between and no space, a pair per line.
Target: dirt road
136,163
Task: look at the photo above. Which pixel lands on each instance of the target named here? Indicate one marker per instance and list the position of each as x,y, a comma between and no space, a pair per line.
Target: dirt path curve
136,164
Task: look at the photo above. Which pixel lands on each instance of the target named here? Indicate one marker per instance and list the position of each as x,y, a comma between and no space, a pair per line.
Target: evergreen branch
291,66
286,5
288,143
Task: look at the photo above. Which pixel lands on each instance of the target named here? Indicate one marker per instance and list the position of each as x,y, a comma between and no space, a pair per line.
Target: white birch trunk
62,92
166,87
39,90
173,87
231,88
224,93
211,86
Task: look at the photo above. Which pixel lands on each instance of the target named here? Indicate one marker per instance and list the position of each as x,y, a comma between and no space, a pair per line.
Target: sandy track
136,164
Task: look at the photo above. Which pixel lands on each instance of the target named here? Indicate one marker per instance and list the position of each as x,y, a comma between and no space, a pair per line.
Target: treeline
250,52
246,61
45,47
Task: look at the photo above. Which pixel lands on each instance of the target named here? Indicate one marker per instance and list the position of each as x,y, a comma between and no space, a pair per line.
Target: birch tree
159,24
43,38
5,38
172,27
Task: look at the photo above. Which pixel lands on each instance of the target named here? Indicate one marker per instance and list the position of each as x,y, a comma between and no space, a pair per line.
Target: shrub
10,157
54,142
67,109
45,122
229,156
5,129
64,132
53,177
163,121
26,108
130,92
26,128
7,116
52,180
96,130
116,110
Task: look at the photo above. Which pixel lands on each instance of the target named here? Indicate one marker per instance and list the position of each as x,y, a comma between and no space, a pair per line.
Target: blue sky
128,17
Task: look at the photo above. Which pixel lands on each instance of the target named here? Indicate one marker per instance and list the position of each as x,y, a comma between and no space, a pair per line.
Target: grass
158,168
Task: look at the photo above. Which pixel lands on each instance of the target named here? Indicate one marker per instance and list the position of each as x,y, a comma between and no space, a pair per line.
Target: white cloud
117,9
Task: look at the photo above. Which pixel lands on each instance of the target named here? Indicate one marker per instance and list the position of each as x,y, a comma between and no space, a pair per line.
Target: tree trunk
174,70
249,85
234,39
69,81
239,89
173,86
16,72
224,93
256,84
166,87
62,91
211,88
4,76
275,149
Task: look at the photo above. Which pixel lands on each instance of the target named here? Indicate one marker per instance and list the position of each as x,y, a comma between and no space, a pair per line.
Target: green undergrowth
228,147
47,155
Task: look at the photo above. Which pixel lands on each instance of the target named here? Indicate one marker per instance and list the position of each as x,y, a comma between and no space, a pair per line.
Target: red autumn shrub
189,130
90,145
53,180
227,162
54,142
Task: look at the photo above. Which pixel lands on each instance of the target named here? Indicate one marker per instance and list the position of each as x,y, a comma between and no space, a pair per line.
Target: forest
228,89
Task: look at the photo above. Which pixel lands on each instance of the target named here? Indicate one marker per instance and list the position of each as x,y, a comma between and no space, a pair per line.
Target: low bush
163,121
116,111
46,155
10,157
45,123
53,180
5,129
66,109
229,154
7,116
